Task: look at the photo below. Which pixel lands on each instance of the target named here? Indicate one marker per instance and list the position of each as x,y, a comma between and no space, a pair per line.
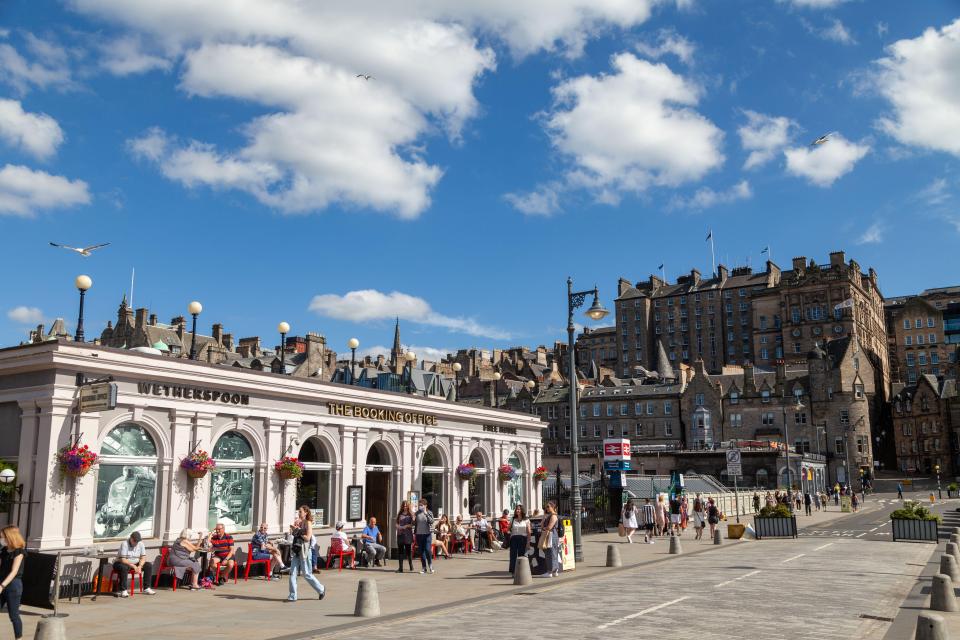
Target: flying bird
819,141
365,77
84,251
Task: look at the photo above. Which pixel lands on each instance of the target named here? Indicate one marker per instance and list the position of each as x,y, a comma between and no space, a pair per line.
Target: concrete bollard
521,572
931,626
956,530
942,597
675,548
613,556
954,549
716,537
948,566
50,629
368,600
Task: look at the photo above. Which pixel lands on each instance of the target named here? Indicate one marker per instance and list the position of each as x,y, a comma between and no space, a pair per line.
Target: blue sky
231,155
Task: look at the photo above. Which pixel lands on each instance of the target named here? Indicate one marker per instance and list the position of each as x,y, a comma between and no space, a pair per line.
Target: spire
395,354
663,364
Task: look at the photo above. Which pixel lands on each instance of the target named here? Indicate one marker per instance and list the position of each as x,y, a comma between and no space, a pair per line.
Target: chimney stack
153,319
141,317
837,259
218,333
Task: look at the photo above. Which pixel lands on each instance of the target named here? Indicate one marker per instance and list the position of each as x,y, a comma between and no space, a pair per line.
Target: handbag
544,542
621,530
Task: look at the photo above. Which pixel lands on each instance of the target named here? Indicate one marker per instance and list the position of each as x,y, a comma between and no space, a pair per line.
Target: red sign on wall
618,449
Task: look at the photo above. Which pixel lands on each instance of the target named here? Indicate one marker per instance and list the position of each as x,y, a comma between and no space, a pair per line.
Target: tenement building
363,450
923,333
925,425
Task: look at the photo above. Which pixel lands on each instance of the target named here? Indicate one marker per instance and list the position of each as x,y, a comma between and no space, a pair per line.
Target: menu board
355,502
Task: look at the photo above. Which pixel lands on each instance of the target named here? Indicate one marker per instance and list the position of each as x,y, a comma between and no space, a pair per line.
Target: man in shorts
675,505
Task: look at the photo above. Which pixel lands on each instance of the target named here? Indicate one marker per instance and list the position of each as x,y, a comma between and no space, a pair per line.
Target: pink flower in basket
540,474
466,471
75,460
197,464
506,472
289,468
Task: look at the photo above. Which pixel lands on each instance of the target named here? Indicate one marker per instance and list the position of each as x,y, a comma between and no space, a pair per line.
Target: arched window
231,484
477,489
762,477
126,483
432,480
515,486
313,489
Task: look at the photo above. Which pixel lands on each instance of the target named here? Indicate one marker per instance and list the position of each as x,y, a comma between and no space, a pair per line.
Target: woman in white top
520,532
628,518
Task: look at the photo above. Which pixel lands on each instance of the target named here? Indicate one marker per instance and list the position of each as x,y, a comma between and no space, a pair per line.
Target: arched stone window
126,483
515,487
231,484
432,479
762,478
313,489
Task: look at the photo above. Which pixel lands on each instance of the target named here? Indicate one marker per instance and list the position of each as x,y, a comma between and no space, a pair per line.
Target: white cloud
542,201
369,304
936,193
126,55
331,138
813,4
24,191
36,133
837,32
882,29
632,129
873,234
668,42
47,66
764,136
26,315
921,79
823,164
706,197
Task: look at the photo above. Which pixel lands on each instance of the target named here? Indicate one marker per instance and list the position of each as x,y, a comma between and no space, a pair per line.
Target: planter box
775,527
735,531
917,530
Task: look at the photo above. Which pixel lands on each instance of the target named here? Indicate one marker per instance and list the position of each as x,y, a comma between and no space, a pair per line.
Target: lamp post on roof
457,367
410,357
596,312
283,329
496,378
194,309
82,283
353,343
786,436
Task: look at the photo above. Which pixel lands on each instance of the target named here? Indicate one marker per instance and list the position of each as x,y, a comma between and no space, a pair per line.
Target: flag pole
713,255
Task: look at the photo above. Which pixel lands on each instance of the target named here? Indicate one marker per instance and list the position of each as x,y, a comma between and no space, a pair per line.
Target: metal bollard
931,626
613,556
368,600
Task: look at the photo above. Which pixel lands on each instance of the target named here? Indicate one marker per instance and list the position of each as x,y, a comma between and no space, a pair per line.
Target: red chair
416,555
133,581
236,571
251,561
465,543
342,552
164,552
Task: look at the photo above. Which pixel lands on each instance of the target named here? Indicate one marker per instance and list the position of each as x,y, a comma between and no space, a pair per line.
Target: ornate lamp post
575,300
353,343
283,329
194,308
786,436
82,283
936,469
456,378
496,378
410,357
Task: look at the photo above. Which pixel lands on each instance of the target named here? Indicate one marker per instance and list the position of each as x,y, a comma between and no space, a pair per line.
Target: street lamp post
194,308
283,328
82,283
596,312
786,436
353,343
496,378
410,357
936,469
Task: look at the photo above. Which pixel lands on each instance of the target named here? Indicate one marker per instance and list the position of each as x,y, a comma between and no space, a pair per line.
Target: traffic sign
734,465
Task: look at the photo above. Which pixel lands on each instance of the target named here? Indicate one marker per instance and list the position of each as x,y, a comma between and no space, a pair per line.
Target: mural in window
231,484
515,486
126,483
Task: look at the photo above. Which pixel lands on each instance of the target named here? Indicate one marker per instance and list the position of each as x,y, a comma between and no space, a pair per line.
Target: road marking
862,534
640,613
793,558
871,530
819,548
746,575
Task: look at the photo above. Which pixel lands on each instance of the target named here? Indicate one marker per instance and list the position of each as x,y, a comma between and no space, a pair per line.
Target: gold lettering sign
191,393
375,413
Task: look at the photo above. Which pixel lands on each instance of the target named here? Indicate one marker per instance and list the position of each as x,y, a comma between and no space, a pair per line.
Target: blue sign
617,465
618,480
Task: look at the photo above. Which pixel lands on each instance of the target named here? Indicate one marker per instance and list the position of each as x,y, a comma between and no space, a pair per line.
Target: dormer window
734,397
765,396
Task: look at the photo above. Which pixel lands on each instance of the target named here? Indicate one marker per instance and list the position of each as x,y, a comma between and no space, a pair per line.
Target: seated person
441,536
262,548
482,528
371,540
503,525
223,548
133,557
339,542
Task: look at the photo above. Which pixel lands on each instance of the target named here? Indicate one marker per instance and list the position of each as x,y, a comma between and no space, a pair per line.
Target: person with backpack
628,519
549,541
713,517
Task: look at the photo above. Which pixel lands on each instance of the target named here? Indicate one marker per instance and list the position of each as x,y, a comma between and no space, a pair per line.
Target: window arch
231,484
126,483
313,489
515,487
762,478
432,479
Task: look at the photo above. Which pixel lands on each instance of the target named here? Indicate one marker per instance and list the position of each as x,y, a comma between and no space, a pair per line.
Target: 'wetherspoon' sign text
373,413
191,393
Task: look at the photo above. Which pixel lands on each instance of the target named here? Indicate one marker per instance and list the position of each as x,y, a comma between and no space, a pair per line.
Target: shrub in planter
197,464
776,511
289,468
912,510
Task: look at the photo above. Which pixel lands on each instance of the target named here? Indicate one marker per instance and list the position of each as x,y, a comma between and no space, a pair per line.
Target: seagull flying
819,141
84,251
365,77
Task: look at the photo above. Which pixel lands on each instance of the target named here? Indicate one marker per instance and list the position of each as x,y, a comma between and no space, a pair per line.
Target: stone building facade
925,425
923,333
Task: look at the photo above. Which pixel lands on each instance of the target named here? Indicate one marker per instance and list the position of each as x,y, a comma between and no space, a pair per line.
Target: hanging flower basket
506,472
75,461
289,468
197,464
540,474
466,471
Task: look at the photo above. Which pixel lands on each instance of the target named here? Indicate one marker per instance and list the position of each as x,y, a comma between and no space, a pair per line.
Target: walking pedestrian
549,541
836,495
660,511
11,575
807,501
713,517
520,532
854,502
684,513
899,491
756,502
648,520
423,529
771,501
699,516
300,554
405,535
675,514
628,518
